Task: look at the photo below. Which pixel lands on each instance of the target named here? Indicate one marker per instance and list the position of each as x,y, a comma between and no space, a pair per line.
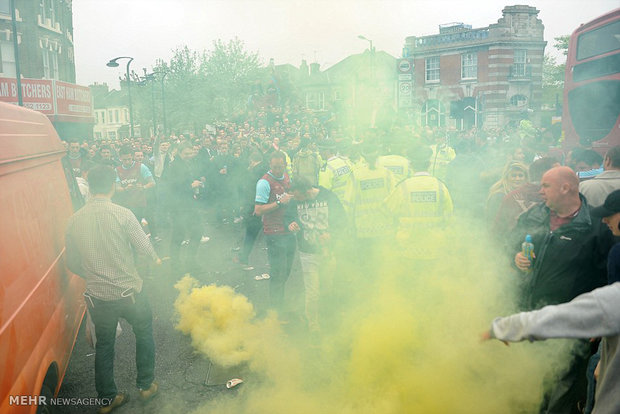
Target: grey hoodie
593,314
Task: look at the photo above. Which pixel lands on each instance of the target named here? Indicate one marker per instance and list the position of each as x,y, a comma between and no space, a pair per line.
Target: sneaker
149,393
238,220
120,399
185,242
144,222
246,267
236,249
158,239
204,239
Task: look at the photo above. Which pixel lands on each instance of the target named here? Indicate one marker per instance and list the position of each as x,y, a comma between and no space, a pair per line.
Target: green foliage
553,73
199,86
561,43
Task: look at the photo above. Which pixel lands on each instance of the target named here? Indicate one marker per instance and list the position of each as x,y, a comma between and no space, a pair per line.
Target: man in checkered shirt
101,241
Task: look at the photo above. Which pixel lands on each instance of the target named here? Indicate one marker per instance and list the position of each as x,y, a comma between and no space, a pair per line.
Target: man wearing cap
570,252
610,212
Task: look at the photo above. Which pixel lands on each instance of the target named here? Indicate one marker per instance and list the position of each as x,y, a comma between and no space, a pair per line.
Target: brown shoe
120,399
149,393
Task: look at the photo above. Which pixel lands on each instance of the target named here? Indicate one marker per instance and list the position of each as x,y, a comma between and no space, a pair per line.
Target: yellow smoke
405,339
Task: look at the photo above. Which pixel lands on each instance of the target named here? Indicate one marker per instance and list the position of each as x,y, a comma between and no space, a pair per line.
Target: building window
47,11
7,59
5,7
46,63
102,117
337,96
432,69
469,66
111,134
518,100
116,117
519,66
315,101
54,64
433,113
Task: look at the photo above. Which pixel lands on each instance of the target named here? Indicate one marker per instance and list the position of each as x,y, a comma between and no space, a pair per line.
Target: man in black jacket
570,251
185,187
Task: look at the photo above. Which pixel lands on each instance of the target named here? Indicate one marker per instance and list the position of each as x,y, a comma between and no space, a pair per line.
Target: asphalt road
181,372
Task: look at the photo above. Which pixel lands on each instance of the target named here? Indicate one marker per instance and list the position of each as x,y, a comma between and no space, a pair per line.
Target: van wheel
47,408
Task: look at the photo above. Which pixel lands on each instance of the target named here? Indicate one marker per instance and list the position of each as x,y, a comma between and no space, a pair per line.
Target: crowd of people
311,187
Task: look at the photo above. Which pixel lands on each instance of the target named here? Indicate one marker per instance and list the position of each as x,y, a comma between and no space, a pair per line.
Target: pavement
186,379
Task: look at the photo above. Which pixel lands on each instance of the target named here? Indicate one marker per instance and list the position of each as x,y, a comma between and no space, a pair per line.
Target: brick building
485,77
46,64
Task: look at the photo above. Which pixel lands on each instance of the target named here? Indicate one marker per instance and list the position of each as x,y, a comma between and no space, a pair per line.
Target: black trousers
281,253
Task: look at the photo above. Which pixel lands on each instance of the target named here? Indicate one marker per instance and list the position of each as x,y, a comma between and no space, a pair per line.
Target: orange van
41,304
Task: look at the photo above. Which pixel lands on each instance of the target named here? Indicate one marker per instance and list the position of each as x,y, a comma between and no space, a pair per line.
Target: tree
553,73
199,86
231,71
561,44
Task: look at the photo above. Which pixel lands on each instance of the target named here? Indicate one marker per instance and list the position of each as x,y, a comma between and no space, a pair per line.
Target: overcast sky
286,30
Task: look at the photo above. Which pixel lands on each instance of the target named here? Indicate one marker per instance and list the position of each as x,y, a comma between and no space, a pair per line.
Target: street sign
404,66
405,92
405,76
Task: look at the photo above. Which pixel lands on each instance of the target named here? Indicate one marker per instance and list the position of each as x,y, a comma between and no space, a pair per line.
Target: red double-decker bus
591,113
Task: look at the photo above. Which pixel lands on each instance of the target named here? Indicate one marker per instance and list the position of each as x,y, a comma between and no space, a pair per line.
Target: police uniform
421,203
336,176
370,188
442,155
397,164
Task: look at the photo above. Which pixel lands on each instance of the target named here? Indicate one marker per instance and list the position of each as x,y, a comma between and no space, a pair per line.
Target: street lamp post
368,40
114,64
163,98
150,77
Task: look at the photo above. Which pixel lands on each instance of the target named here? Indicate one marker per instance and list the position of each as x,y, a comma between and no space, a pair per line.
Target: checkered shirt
101,239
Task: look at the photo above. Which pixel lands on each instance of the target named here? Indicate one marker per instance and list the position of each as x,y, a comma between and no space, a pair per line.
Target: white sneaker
204,239
144,222
185,242
238,220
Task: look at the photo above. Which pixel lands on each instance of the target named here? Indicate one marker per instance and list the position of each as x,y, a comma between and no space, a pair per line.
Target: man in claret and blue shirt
271,199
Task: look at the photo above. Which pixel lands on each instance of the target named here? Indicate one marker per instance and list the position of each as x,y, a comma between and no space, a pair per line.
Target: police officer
335,175
420,203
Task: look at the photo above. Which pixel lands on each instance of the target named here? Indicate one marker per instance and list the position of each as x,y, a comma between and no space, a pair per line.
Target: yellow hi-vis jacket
420,201
336,176
370,188
442,156
397,164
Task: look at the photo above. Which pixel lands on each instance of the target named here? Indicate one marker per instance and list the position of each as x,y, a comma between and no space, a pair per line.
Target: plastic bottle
527,248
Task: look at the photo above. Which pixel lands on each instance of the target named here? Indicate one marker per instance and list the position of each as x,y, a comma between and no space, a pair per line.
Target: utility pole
18,74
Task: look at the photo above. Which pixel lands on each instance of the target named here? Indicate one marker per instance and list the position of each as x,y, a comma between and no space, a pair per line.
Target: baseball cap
610,207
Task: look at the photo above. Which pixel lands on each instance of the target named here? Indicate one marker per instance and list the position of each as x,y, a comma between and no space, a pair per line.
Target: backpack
306,164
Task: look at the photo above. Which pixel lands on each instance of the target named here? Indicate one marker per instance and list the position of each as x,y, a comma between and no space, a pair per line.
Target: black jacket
569,261
179,177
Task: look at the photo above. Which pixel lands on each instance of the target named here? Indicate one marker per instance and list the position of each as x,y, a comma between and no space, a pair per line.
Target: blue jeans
594,359
105,316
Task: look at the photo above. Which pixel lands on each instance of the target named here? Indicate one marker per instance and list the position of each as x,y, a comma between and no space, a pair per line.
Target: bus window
599,41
